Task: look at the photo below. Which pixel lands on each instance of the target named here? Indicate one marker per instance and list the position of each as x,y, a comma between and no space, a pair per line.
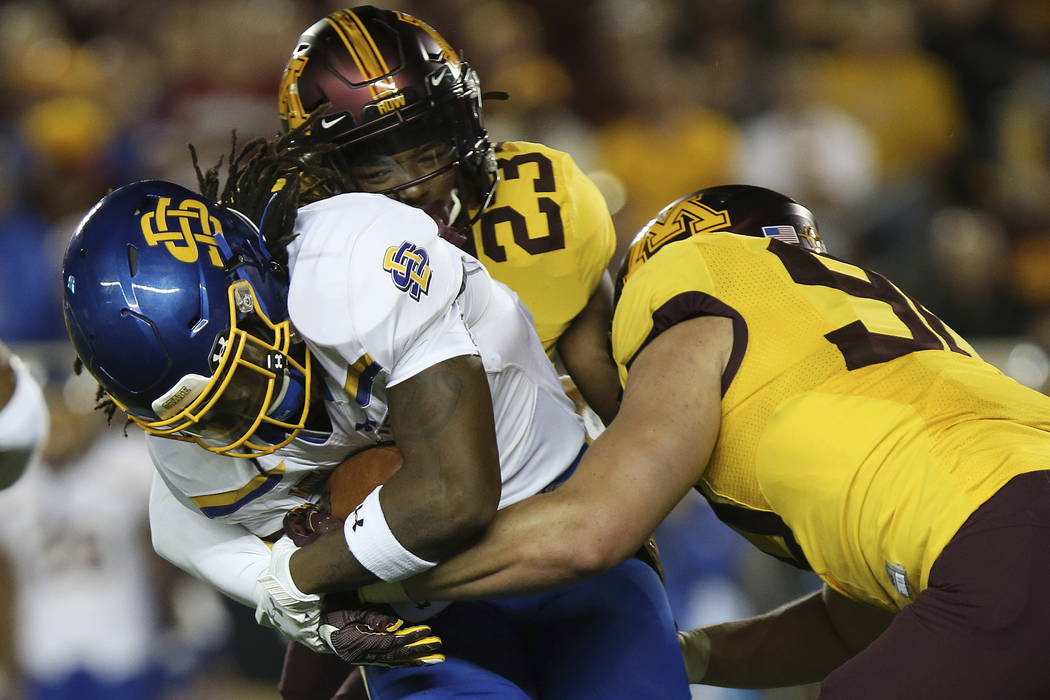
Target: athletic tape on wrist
373,544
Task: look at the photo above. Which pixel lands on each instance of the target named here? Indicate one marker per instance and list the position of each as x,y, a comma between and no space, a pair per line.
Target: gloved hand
283,606
650,554
360,634
305,523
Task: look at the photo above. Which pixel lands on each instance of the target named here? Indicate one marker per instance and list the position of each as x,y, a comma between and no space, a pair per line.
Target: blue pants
83,685
608,637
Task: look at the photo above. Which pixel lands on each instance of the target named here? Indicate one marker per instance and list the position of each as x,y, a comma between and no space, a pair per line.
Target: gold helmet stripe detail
290,104
446,48
363,50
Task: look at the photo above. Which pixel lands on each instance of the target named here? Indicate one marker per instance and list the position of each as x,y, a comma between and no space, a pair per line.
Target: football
358,475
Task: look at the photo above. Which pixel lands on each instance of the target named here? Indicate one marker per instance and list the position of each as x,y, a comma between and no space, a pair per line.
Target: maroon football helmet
743,209
392,84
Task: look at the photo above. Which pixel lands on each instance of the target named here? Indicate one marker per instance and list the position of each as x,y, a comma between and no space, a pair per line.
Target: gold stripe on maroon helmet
363,50
290,103
446,48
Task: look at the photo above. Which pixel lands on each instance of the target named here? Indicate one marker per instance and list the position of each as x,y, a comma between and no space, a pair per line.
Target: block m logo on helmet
675,222
181,229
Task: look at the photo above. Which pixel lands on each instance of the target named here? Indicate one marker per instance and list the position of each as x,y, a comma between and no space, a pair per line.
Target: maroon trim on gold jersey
689,305
760,522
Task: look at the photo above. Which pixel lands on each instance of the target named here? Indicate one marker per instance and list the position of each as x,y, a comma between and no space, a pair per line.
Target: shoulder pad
362,262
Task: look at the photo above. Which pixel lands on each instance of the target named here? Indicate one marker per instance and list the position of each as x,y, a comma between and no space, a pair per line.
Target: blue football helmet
176,308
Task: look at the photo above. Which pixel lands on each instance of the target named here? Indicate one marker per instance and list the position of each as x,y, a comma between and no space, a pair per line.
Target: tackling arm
626,483
798,643
584,349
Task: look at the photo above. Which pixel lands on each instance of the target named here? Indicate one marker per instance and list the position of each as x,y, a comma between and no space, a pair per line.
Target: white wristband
373,544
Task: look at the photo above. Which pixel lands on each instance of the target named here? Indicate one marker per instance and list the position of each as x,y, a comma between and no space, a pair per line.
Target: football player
23,418
834,422
253,385
402,116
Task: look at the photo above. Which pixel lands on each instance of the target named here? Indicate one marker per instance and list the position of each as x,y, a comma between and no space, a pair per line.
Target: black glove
304,524
364,636
361,633
650,554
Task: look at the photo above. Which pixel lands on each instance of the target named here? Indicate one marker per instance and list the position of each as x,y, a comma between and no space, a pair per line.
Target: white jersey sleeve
225,556
370,275
252,493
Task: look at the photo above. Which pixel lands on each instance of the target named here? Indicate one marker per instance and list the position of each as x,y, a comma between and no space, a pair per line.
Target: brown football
358,475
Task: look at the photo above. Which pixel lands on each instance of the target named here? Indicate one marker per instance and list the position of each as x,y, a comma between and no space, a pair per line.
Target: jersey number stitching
544,182
859,346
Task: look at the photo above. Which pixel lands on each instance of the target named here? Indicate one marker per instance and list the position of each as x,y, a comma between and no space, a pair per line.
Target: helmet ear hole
133,259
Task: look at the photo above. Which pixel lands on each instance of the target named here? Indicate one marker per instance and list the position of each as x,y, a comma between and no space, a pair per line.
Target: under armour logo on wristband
357,520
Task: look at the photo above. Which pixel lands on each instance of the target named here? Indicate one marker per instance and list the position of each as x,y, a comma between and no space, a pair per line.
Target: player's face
417,176
252,388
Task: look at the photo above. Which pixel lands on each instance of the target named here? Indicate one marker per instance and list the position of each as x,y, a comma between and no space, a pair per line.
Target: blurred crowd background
917,131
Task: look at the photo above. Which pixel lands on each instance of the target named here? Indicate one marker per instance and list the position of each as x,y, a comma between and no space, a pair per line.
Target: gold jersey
547,235
858,431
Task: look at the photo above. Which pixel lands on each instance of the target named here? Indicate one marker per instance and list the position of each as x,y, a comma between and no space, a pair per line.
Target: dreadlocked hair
103,402
265,180
268,178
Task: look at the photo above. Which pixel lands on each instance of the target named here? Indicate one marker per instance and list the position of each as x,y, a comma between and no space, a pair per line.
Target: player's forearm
793,645
524,551
596,520
584,351
440,500
328,565
494,566
406,530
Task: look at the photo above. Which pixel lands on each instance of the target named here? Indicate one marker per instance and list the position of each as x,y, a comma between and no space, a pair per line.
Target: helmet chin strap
289,401
457,206
438,211
287,405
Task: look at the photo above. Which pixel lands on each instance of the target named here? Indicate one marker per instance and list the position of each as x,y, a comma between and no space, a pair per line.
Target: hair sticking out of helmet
743,209
399,105
174,305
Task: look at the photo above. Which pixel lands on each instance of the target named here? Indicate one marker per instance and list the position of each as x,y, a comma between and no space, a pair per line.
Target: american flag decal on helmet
781,233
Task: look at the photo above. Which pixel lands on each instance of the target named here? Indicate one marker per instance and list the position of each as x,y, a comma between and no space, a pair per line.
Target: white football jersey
380,297
76,536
